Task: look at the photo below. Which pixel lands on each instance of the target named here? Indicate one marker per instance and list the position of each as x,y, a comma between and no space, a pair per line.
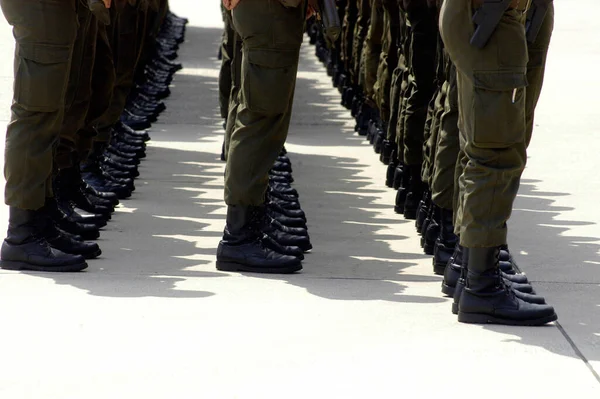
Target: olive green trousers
45,33
270,55
498,89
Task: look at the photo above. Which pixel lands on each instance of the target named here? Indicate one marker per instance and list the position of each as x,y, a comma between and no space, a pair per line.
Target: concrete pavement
365,319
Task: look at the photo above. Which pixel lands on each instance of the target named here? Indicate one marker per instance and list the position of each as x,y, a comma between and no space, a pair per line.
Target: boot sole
238,267
476,318
13,265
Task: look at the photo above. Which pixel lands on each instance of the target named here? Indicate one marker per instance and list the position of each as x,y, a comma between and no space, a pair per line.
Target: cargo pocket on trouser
41,75
269,77
499,109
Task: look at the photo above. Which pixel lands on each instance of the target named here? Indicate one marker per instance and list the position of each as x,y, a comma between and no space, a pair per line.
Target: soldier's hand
230,4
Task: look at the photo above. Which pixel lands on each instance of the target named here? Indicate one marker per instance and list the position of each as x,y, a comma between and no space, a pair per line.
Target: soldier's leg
78,89
492,108
536,66
423,53
268,77
45,32
225,77
124,43
236,74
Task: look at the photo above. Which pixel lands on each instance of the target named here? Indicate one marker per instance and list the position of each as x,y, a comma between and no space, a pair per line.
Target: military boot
487,299
87,231
423,210
415,193
379,138
242,248
430,235
452,276
391,169
402,189
452,272
67,243
446,242
25,247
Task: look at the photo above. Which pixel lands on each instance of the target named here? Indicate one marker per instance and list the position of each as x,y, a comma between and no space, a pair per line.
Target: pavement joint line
577,351
566,282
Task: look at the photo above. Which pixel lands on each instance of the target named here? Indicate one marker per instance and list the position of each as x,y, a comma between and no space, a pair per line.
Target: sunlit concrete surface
365,319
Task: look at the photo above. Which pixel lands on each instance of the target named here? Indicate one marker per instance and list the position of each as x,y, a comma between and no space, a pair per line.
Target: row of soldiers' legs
81,90
452,122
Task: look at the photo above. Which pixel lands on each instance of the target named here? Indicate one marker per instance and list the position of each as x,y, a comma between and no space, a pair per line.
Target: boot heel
448,290
11,265
227,266
454,308
473,318
439,269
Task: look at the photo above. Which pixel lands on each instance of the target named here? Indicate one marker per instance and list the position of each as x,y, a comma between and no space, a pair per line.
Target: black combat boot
277,231
68,186
67,243
452,272
87,231
386,152
446,242
405,173
391,169
423,210
379,138
242,247
415,193
433,231
487,299
25,247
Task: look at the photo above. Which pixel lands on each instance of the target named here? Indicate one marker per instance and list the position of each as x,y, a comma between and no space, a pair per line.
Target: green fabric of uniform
347,42
373,48
236,78
45,33
434,115
493,115
388,59
79,89
225,78
360,33
443,181
103,81
125,45
423,51
364,22
270,56
405,84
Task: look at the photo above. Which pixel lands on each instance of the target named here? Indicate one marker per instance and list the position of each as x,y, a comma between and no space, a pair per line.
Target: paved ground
365,319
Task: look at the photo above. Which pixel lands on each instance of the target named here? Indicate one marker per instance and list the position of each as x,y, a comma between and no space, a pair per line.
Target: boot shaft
24,225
